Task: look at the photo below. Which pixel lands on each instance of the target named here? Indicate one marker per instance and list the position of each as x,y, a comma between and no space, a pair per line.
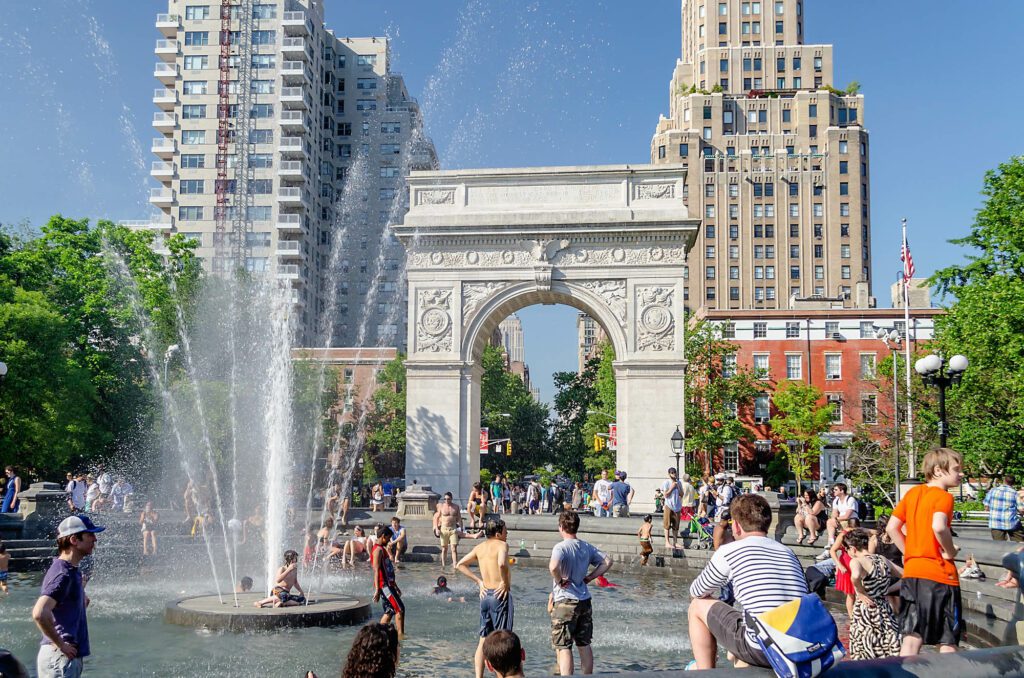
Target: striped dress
764,574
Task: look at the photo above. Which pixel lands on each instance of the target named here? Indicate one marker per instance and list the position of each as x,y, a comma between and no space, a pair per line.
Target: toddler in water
5,560
644,533
287,579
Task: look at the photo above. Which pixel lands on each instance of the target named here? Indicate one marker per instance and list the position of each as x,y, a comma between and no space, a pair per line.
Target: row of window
758,148
199,87
202,38
866,329
202,12
201,62
198,111
817,209
767,251
198,186
752,8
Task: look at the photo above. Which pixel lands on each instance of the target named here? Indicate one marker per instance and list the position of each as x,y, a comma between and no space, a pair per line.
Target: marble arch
481,244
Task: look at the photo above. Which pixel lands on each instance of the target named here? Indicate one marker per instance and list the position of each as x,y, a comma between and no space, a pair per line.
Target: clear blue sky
513,82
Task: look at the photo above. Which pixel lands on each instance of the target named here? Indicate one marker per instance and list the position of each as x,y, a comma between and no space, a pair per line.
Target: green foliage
98,378
717,89
801,418
602,406
986,324
385,422
777,471
710,423
853,88
575,394
501,393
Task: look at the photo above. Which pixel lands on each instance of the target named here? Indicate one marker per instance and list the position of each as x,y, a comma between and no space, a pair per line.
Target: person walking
497,613
622,496
59,611
385,589
673,506
11,501
1004,512
570,602
496,487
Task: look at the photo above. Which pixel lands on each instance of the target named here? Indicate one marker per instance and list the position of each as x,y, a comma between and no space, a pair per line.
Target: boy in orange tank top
931,612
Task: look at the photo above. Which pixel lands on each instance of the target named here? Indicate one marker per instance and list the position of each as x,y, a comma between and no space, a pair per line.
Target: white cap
77,525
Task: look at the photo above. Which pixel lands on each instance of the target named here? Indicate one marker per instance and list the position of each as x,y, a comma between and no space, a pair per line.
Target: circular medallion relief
435,322
508,256
656,319
473,258
619,254
436,258
657,254
581,256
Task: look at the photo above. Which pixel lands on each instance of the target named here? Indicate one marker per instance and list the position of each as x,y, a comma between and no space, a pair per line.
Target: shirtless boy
495,582
447,521
5,562
287,579
644,534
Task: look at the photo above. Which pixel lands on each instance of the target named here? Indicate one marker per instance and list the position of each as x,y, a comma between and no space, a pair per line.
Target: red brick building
835,349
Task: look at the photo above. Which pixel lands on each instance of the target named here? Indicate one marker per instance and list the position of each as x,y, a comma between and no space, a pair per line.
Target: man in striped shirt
764,574
1003,516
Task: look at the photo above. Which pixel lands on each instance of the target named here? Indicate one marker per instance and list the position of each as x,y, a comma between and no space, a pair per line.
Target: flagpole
911,452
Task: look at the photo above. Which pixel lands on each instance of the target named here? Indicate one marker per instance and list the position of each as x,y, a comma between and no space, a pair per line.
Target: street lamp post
935,371
3,372
677,449
892,339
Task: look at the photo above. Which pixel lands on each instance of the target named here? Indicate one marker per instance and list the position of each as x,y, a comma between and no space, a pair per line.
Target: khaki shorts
571,622
449,535
670,519
620,511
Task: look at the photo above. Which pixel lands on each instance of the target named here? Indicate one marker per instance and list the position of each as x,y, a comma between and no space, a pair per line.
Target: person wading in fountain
495,582
287,579
569,603
447,521
385,589
60,610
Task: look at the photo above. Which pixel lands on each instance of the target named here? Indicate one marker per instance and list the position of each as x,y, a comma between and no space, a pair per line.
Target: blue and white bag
799,638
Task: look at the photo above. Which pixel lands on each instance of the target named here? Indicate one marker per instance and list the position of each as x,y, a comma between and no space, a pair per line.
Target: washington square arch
610,241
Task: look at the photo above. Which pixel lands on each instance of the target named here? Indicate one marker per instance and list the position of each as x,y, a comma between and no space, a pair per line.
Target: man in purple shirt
60,610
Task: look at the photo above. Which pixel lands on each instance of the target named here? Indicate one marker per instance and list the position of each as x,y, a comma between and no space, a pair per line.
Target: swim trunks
391,601
449,535
284,596
495,614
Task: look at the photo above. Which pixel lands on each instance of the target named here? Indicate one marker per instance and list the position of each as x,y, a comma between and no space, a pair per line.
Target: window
709,251
819,209
812,110
734,292
734,231
264,11
193,87
390,149
366,104
261,136
769,250
844,251
758,273
709,272
869,408
731,457
734,211
707,133
794,366
195,63
734,273
794,251
262,111
817,63
833,366
661,151
792,330
760,330
259,213
761,370
723,9
786,115
264,37
819,272
709,293
759,251
794,210
728,330
709,211
734,251
794,272
769,292
794,230
762,408
819,251
192,161
845,272
769,272
191,137
684,150
190,213
836,401
196,38
757,67
831,327
867,366
197,12
190,186
758,293
709,190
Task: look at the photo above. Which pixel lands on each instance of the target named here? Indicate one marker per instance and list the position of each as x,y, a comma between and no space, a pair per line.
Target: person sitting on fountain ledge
287,579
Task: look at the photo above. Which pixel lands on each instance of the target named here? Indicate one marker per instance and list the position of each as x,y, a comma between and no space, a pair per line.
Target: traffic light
599,443
508,450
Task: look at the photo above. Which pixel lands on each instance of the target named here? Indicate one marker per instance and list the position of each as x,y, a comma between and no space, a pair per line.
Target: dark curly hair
374,653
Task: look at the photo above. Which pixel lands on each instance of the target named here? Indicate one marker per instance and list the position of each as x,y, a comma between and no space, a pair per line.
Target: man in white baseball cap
60,610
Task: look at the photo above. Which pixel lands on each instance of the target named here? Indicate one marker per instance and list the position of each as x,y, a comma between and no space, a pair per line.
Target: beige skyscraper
328,126
776,158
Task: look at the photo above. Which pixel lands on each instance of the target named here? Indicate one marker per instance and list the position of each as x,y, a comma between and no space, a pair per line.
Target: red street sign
613,436
484,444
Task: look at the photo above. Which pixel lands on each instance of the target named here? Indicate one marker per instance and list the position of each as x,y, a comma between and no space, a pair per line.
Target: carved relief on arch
613,292
434,320
655,325
474,294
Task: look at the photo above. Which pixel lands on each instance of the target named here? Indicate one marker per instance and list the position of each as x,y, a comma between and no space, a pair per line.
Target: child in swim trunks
5,561
644,534
287,579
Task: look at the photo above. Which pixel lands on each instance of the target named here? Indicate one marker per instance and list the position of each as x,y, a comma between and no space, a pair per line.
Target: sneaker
691,665
824,555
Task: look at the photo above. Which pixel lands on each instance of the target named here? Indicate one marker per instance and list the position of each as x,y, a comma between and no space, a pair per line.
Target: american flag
908,261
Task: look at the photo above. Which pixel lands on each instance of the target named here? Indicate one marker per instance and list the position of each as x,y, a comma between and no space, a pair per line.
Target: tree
802,418
504,393
385,422
602,411
575,394
986,324
716,389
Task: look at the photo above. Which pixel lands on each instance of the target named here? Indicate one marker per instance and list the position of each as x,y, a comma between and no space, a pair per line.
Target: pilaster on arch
481,244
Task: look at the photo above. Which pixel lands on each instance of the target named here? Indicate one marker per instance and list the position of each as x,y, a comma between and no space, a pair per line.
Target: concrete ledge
208,612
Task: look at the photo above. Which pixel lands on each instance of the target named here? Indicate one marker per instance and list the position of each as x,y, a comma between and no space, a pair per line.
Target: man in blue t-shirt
569,603
622,496
60,610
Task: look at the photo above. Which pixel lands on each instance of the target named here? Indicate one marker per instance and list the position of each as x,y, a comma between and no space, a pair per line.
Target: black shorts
730,630
932,611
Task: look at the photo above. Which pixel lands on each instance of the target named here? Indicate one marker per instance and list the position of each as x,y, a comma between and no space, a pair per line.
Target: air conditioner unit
833,377
761,420
837,336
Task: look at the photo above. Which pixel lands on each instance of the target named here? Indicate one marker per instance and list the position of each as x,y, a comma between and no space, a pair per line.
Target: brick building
835,349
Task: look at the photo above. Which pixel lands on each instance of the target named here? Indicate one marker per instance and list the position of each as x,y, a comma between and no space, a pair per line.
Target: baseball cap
77,525
672,470
719,476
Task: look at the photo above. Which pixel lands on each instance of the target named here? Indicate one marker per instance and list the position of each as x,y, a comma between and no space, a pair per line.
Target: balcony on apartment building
293,97
289,249
291,170
289,223
165,171
166,98
294,48
165,121
164,147
161,196
291,272
290,197
294,23
295,296
291,146
167,50
161,224
165,73
168,24
296,73
292,120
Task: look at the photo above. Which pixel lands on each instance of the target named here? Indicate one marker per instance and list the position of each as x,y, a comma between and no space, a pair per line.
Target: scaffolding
233,212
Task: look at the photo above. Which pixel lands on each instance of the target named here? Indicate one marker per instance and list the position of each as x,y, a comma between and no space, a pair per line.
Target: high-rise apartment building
511,329
331,131
776,160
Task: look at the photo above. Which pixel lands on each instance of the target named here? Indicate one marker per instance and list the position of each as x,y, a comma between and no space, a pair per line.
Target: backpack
799,638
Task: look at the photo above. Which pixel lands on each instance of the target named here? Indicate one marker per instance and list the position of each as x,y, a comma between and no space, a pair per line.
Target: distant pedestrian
622,496
643,533
60,611
570,603
1003,512
844,515
377,497
11,500
147,521
577,496
120,494
603,496
673,507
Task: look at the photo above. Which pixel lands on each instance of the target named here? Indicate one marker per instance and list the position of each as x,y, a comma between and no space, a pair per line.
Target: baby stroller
699,529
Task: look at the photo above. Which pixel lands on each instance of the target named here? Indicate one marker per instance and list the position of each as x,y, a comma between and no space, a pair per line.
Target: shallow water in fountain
639,625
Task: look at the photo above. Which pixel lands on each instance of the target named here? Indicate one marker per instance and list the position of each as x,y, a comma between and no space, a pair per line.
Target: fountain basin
209,612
